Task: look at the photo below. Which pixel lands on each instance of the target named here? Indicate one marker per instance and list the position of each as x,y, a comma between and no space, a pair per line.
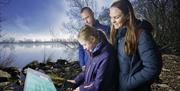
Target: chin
89,25
116,27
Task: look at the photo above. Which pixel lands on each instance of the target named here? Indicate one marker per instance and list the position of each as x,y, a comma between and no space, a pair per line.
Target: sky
36,19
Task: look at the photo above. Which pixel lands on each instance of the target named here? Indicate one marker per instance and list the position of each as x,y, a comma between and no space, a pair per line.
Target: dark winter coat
138,69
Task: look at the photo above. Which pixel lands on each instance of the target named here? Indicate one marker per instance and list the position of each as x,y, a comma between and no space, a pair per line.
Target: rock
55,69
14,87
163,85
171,90
3,84
14,72
49,63
67,69
164,69
56,66
47,67
4,74
3,79
75,65
33,65
178,77
62,61
42,64
178,73
48,71
57,80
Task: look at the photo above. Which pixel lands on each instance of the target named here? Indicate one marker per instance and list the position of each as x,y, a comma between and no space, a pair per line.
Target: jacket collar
121,32
97,24
99,48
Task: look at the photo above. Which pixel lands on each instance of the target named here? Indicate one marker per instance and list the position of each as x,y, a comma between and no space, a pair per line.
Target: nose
86,21
113,20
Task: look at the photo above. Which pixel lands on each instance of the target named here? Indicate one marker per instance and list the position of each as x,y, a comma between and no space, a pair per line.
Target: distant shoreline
40,42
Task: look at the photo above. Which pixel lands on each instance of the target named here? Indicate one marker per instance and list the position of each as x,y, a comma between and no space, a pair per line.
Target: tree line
162,14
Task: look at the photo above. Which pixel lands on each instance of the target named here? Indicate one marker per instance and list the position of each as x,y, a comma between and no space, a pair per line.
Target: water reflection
26,52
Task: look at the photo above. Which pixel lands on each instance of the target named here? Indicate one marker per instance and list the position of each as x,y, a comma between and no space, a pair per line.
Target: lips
116,25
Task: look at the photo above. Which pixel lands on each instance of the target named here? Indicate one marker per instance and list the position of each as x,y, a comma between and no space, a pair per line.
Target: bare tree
104,16
5,59
163,14
2,4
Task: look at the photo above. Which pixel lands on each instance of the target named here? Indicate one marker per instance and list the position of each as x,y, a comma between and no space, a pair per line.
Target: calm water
23,54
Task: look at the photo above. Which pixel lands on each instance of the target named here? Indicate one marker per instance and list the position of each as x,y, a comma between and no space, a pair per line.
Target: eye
116,17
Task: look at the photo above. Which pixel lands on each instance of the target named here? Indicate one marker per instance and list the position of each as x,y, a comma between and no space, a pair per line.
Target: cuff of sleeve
81,88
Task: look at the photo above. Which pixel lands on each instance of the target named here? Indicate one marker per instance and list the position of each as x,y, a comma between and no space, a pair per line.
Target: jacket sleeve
98,79
151,62
81,55
80,78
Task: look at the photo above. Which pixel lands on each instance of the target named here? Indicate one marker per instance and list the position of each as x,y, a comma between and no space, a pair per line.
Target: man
87,16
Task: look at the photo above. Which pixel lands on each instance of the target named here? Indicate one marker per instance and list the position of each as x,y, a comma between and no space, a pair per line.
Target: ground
170,75
62,70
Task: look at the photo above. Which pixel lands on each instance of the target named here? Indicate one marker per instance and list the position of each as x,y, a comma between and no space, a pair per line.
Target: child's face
87,45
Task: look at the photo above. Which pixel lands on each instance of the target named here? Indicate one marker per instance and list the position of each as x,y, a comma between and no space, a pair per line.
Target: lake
24,53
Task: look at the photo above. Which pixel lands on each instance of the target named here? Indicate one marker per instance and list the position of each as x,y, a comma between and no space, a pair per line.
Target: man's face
88,17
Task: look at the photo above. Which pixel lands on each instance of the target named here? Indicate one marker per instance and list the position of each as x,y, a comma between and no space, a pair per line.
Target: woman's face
117,17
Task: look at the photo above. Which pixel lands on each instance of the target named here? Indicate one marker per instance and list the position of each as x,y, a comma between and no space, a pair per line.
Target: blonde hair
88,32
112,38
131,35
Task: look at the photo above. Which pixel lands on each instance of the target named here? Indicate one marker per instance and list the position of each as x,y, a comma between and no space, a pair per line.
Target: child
99,74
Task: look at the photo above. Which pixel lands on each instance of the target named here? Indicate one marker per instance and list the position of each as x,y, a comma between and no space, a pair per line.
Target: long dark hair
131,35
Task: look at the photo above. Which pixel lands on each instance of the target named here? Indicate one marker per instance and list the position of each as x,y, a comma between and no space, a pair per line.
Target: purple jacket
100,70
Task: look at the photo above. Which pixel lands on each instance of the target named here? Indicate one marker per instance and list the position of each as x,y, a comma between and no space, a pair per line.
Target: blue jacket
137,70
83,57
100,70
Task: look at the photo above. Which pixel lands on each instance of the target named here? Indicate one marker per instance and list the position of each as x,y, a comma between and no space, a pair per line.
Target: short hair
86,8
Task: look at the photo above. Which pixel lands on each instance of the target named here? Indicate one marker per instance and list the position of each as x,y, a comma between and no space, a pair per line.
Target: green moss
55,77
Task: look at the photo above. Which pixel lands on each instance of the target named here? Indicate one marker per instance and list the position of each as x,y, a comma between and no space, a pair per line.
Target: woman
138,60
100,69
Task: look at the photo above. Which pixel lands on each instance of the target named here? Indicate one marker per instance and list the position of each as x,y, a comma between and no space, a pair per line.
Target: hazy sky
34,19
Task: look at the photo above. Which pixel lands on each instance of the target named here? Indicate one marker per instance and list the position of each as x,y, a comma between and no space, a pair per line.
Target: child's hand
77,89
72,81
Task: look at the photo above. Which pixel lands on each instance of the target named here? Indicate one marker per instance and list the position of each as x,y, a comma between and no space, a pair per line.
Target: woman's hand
72,81
77,89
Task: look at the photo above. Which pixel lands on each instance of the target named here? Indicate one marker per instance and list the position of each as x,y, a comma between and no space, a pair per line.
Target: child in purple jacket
100,73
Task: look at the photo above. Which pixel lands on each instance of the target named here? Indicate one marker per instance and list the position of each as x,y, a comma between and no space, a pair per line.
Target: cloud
34,20
21,24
